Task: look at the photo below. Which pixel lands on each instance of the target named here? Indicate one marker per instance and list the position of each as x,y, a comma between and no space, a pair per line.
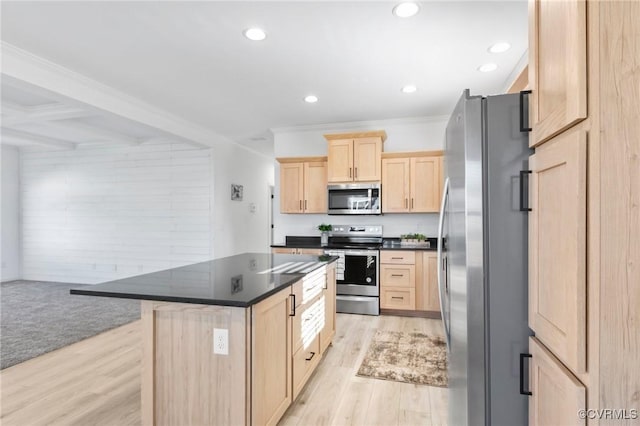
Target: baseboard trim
403,313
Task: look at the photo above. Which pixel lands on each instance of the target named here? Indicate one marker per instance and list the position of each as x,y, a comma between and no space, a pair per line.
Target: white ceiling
191,59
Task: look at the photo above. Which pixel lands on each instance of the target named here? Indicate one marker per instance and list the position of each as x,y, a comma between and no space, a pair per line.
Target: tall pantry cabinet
584,225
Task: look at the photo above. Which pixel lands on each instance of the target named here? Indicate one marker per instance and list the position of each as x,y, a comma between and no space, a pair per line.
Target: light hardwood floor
97,382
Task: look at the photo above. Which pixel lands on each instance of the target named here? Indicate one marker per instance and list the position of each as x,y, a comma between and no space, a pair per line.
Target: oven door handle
441,290
373,253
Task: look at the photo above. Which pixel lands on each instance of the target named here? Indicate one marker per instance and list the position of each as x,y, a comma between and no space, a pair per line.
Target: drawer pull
397,297
397,275
397,258
293,306
311,357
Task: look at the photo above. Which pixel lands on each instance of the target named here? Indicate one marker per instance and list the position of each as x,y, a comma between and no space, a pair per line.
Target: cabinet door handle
356,173
397,275
523,173
293,305
349,171
305,204
522,390
522,95
406,203
300,205
412,203
311,357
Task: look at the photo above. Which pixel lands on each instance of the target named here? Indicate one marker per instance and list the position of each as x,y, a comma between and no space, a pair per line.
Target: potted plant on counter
412,239
324,234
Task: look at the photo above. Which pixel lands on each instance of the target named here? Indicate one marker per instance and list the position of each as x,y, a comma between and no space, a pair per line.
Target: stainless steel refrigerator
483,260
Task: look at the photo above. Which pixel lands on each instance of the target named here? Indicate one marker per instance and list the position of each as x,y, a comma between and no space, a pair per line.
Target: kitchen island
232,340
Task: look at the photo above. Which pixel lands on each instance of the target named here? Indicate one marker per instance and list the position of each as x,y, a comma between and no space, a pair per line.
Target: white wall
100,213
418,134
11,250
237,229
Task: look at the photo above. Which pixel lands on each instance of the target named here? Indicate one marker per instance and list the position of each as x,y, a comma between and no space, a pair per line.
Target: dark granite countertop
387,244
242,280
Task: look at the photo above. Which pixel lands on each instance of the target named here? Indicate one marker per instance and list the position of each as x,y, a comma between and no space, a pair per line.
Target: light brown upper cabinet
303,185
557,66
411,182
355,157
557,247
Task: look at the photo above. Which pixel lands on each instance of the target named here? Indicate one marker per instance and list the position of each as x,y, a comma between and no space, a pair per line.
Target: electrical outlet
221,341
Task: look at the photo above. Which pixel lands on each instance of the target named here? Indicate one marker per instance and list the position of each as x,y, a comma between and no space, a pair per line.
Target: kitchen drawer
305,361
310,286
398,276
398,298
307,322
403,257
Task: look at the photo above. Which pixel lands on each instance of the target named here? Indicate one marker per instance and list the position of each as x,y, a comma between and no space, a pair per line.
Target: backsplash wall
416,134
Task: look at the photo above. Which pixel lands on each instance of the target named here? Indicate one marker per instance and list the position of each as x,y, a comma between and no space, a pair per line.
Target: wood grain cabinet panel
303,187
411,184
398,298
315,187
426,184
427,296
329,295
398,275
556,395
340,159
395,185
271,369
366,159
355,157
557,66
557,247
291,187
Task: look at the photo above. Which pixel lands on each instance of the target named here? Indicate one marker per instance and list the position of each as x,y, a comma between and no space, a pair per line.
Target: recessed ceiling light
255,34
406,9
500,47
311,99
487,67
409,88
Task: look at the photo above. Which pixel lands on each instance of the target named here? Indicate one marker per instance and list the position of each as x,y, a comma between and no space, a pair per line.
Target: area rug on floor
406,357
39,317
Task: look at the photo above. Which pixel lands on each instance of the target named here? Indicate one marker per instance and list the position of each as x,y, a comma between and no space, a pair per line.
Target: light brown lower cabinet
557,396
409,282
271,392
274,347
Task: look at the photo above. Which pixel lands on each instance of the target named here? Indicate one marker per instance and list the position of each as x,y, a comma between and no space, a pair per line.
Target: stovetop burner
356,237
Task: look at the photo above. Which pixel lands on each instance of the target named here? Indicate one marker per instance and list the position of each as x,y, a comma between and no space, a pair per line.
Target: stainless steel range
358,270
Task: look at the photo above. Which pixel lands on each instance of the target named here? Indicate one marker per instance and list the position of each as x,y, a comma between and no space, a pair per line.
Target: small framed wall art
236,192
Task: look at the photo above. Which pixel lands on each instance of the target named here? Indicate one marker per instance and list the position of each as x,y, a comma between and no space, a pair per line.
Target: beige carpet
406,357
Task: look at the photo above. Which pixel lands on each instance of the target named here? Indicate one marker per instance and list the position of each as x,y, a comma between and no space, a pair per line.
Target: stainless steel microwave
354,198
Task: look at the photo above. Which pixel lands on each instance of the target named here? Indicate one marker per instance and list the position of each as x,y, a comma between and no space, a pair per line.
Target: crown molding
515,72
21,67
357,125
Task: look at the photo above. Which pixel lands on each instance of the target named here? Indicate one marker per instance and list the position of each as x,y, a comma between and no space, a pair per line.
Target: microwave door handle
441,290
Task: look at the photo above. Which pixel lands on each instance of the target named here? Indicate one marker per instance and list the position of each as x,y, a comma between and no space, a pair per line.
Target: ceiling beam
44,113
97,134
26,137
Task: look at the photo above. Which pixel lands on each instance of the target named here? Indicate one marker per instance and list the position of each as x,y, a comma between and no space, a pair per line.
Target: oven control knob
368,280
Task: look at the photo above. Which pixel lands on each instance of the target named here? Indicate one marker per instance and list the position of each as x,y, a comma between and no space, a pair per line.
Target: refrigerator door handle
441,290
522,101
522,389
